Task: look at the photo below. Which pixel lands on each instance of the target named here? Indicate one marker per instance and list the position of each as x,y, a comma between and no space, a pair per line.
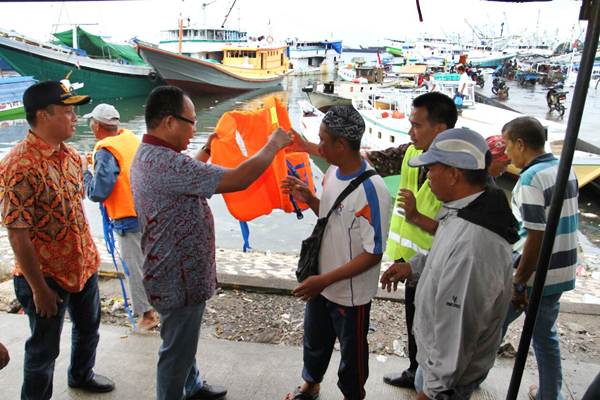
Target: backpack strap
350,188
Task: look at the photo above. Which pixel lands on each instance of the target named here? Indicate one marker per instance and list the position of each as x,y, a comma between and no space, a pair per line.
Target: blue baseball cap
458,147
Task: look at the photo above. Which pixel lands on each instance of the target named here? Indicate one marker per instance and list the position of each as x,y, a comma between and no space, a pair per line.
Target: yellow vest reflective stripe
123,147
405,239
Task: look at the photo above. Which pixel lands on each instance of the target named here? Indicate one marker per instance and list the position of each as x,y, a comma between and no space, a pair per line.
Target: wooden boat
242,68
360,73
11,95
395,51
328,94
103,78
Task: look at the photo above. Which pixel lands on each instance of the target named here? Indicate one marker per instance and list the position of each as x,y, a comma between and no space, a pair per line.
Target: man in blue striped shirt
524,137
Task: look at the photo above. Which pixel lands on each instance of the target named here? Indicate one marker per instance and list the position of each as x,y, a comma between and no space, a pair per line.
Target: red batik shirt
41,189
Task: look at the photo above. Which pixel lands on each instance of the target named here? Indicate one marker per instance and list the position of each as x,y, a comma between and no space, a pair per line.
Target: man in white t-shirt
464,81
339,298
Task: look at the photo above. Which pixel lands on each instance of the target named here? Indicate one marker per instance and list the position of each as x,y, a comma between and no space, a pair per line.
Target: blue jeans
457,393
546,346
42,348
177,375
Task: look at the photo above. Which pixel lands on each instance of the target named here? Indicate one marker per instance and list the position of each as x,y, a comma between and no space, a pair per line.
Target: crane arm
228,12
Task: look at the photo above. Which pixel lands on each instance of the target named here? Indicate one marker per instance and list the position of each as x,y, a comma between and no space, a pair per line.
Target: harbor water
277,232
280,232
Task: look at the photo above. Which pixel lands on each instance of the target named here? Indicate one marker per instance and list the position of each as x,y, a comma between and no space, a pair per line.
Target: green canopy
96,47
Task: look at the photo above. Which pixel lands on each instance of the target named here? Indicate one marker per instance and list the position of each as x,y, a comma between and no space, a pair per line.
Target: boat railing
31,42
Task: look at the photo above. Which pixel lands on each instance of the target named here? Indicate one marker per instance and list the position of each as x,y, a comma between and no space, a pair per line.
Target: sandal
532,394
299,395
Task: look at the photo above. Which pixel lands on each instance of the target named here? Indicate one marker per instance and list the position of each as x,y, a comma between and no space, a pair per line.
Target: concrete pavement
250,371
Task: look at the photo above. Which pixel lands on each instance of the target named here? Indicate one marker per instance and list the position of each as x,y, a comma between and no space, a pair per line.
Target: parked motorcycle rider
499,87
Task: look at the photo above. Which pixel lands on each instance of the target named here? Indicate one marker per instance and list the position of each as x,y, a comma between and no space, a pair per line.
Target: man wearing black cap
41,203
339,298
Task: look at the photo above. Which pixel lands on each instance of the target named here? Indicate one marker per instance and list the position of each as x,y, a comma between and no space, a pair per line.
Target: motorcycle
477,77
499,88
555,98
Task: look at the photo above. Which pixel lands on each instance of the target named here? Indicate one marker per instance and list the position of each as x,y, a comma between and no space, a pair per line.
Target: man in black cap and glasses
41,204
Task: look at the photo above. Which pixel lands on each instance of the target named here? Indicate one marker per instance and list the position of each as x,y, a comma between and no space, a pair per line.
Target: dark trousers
410,289
42,348
324,321
593,392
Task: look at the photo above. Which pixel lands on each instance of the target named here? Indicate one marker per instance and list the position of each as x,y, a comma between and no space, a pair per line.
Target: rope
109,240
245,235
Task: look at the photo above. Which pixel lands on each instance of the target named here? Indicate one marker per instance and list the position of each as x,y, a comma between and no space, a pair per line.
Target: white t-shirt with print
360,223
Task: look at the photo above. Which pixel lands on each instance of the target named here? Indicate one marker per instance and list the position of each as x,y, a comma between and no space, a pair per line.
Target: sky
355,22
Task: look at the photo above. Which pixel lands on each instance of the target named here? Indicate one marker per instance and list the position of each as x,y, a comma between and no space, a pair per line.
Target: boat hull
11,95
394,51
198,77
324,101
490,62
8,111
99,81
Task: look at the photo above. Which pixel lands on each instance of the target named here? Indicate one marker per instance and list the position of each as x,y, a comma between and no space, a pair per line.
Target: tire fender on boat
152,76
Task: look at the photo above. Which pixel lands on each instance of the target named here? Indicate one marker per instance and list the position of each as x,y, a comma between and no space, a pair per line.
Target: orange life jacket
252,130
123,147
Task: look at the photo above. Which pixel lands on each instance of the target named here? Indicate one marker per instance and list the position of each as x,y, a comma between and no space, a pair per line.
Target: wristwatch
519,287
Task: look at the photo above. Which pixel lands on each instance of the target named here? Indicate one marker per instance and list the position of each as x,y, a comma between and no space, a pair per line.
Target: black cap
43,94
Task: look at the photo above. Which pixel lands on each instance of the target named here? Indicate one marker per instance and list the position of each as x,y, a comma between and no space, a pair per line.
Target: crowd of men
466,259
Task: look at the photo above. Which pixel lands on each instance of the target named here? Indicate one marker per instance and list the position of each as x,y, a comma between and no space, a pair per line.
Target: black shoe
404,380
98,384
209,392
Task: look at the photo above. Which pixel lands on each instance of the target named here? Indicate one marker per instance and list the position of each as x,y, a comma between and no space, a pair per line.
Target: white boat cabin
313,56
201,43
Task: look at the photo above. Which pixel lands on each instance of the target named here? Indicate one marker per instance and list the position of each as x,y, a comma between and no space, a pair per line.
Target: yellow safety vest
405,239
123,147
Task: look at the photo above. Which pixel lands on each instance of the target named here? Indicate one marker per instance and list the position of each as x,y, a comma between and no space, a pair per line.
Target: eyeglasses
182,118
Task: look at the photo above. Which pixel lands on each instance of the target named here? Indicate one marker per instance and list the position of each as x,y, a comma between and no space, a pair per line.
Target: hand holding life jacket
241,134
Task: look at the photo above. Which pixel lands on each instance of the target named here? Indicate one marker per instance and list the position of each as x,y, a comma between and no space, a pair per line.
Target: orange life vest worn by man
109,184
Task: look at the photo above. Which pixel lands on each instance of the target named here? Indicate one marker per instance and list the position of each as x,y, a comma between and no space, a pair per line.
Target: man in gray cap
466,279
109,184
353,242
